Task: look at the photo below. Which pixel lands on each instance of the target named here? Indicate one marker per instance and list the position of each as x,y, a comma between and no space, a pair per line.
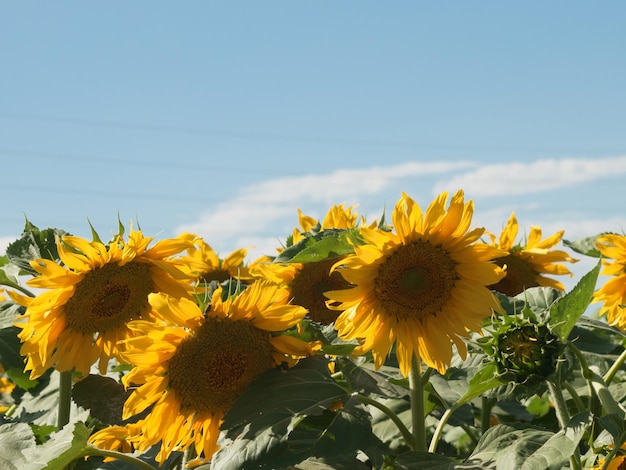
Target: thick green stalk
608,377
485,414
416,387
65,397
562,414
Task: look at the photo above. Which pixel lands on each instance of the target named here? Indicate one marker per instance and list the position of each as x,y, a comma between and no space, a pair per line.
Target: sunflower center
415,281
108,297
309,285
520,275
211,369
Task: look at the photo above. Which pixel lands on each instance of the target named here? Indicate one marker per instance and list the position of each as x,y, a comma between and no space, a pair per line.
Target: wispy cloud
260,207
523,178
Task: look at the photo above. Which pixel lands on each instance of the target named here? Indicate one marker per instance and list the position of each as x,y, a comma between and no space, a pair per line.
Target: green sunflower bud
525,352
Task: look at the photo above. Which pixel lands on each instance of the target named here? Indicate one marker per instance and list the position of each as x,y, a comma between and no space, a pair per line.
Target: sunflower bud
525,352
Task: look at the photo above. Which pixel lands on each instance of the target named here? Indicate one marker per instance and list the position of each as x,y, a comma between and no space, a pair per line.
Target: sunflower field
414,342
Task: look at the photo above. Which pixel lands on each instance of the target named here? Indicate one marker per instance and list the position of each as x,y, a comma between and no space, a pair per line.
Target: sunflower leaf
10,345
9,273
557,450
585,246
363,380
504,446
15,439
258,430
34,244
62,449
329,243
485,379
565,313
104,397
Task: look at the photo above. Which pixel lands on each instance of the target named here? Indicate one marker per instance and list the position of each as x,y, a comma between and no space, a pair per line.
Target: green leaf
9,311
104,397
9,273
485,379
556,452
331,434
10,346
505,446
32,245
257,430
329,243
65,446
39,405
426,461
15,440
585,246
565,313
365,381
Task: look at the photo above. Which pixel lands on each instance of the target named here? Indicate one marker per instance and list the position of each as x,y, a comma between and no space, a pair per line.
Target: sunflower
308,281
90,298
337,217
613,292
527,264
116,438
421,286
192,374
205,265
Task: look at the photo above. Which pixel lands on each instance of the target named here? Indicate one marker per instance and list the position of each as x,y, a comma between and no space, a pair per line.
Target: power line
258,136
174,163
202,131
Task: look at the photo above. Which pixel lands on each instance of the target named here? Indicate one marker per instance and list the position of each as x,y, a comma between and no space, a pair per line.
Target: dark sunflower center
220,275
309,285
211,369
108,297
415,281
520,275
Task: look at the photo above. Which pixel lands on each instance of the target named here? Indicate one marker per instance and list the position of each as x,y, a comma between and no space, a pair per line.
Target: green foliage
15,440
104,397
585,246
317,246
567,311
32,245
491,409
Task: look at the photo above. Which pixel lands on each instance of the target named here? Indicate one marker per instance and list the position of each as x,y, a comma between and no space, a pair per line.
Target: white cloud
542,175
258,208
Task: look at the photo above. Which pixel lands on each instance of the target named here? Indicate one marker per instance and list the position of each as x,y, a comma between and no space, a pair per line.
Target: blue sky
223,118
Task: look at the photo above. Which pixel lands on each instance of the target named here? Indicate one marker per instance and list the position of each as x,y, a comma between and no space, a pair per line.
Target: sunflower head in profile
613,292
307,281
306,284
421,286
205,266
337,217
192,374
89,297
527,263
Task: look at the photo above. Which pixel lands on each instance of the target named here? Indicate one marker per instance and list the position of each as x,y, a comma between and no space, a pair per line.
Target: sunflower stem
563,417
439,429
406,434
416,387
608,377
17,287
65,398
485,414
